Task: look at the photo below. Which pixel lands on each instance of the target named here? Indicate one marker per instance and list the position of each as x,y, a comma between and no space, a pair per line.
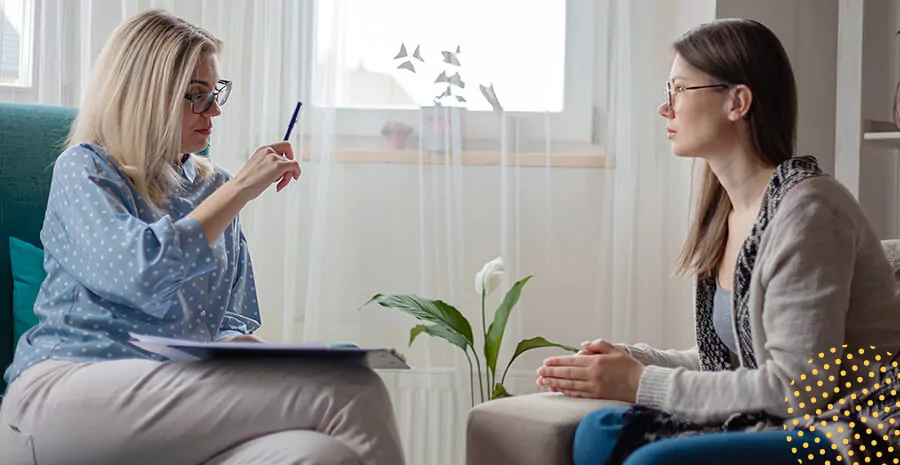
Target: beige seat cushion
535,429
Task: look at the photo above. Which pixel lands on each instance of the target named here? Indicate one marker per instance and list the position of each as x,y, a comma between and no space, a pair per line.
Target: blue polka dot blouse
115,265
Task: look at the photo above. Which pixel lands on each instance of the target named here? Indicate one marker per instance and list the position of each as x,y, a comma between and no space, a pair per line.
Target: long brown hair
738,51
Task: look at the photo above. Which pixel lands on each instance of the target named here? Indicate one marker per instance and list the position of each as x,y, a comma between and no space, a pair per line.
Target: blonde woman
142,236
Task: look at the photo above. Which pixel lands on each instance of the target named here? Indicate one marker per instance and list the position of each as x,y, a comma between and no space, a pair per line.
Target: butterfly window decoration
449,83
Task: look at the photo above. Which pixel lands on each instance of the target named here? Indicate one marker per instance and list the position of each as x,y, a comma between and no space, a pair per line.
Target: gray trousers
225,412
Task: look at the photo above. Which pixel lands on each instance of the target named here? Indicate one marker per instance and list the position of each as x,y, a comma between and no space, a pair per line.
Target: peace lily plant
446,322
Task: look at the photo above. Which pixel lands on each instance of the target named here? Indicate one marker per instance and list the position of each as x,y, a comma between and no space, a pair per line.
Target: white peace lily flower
488,279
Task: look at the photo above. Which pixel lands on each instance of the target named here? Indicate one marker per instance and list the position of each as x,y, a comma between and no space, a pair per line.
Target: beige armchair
538,429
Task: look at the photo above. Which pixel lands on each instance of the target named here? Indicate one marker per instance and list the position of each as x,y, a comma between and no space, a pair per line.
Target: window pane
516,45
12,22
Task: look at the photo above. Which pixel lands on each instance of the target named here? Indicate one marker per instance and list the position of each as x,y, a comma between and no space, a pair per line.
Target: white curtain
600,238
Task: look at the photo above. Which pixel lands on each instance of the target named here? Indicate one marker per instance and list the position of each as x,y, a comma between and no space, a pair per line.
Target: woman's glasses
202,101
671,91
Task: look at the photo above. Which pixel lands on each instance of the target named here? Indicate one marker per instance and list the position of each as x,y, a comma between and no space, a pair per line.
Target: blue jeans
597,434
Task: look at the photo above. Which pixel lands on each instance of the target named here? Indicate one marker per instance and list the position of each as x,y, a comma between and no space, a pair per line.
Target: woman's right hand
270,163
595,348
609,372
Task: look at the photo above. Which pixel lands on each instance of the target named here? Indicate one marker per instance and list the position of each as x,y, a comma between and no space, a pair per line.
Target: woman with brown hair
787,269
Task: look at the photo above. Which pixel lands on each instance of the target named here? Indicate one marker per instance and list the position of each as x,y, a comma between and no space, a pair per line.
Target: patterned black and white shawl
644,425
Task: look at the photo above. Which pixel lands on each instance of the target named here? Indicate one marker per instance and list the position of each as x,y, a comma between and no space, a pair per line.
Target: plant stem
483,325
492,378
503,378
471,378
480,380
484,331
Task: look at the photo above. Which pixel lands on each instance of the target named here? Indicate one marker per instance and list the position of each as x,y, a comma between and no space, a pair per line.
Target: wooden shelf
881,133
883,139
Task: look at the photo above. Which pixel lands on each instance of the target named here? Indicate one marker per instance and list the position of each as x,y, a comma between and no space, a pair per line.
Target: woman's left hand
242,338
608,373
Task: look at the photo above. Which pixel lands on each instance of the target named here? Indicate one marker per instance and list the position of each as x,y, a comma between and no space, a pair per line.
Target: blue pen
290,127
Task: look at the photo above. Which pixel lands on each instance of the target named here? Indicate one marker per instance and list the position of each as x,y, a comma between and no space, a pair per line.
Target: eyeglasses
202,101
671,91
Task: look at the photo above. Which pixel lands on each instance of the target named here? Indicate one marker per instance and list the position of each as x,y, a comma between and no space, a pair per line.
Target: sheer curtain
600,234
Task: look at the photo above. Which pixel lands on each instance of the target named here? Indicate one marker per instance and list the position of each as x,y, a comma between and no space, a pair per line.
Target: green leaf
534,343
415,332
432,311
438,331
498,327
537,343
500,392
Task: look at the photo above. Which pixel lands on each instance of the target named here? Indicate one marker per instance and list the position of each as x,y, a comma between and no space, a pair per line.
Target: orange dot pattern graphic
852,396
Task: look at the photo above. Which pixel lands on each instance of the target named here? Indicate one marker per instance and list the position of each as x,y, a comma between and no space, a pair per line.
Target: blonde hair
134,103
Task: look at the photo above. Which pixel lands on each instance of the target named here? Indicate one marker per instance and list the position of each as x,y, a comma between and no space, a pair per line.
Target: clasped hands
601,370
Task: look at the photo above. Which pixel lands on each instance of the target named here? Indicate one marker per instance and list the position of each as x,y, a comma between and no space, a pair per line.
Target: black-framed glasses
202,101
671,91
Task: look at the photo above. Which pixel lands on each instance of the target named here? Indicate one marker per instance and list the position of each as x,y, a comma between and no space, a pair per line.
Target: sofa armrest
535,429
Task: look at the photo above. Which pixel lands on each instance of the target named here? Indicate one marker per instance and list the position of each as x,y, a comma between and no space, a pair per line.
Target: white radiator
431,406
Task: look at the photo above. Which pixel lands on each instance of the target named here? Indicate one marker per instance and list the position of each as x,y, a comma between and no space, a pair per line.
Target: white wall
808,31
879,189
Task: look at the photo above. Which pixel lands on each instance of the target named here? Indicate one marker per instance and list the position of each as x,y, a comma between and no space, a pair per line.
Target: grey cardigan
820,281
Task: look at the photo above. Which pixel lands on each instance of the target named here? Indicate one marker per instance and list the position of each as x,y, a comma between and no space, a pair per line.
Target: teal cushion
28,273
31,137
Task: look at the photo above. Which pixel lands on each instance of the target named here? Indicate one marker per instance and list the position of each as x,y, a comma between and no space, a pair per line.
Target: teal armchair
31,137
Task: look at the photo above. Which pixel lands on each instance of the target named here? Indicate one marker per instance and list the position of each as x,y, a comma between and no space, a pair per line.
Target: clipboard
183,350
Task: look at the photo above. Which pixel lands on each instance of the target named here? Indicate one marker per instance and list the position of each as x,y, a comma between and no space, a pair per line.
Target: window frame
574,123
27,62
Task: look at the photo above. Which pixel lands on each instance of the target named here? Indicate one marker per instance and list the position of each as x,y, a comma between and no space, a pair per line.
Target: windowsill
472,153
474,158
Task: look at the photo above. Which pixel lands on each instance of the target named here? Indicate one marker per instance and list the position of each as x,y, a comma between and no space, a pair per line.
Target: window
16,36
396,56
395,50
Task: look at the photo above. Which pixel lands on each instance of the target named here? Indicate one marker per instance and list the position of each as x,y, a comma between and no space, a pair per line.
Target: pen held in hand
287,134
